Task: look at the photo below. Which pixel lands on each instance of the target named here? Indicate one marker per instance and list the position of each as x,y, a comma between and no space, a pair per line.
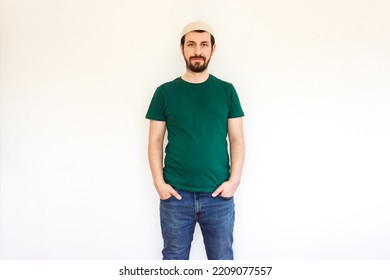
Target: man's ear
182,49
213,49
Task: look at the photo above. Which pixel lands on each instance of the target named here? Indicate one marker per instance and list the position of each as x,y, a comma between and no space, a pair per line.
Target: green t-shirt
196,115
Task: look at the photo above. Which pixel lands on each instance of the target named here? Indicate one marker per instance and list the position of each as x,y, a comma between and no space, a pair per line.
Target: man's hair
183,39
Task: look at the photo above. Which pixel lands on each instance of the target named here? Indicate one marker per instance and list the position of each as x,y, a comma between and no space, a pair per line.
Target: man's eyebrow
203,42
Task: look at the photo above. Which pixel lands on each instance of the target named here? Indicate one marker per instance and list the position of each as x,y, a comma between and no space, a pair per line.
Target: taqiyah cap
197,25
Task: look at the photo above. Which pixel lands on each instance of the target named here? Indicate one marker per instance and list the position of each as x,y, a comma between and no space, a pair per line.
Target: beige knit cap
197,25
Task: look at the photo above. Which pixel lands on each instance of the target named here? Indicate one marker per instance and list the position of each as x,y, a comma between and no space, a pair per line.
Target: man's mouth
197,59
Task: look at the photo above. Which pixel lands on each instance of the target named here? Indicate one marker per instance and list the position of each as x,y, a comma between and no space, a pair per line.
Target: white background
77,77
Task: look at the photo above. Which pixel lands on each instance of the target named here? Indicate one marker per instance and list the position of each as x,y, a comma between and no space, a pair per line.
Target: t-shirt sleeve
235,105
156,108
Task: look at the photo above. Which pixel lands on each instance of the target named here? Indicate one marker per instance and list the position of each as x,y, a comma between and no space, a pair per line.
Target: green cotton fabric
196,116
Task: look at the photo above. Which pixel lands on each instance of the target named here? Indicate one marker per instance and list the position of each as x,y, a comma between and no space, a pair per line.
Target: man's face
197,51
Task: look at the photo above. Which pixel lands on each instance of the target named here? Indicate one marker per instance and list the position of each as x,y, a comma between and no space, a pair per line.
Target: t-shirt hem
197,190
154,118
236,116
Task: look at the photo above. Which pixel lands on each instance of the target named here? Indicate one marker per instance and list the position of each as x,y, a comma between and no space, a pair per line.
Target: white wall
77,77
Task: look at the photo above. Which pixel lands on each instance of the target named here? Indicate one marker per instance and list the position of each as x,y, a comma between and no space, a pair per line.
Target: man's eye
205,45
190,45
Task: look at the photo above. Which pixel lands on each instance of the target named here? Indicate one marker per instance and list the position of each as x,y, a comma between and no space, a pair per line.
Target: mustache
198,56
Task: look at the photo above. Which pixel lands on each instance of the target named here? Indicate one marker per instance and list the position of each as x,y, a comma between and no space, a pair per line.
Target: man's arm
155,154
237,156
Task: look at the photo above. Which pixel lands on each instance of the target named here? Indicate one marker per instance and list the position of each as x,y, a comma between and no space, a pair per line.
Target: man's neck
195,78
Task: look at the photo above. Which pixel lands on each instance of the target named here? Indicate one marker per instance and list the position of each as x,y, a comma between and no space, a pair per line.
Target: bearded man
197,178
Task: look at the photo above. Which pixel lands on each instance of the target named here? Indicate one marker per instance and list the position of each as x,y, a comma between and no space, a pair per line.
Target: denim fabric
215,216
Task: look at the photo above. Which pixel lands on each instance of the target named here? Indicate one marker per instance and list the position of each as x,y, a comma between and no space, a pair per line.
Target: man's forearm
237,157
155,153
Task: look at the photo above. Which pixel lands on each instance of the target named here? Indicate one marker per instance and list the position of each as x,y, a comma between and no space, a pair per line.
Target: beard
197,67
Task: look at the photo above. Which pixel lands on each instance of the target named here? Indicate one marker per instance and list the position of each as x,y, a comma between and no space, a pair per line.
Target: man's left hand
227,189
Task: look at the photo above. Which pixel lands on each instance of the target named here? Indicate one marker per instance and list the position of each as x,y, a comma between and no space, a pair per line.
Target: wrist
158,183
234,181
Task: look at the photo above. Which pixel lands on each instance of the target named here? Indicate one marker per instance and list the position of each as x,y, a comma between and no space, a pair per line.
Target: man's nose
197,50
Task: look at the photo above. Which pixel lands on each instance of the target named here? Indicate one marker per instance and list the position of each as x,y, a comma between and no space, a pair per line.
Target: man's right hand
165,191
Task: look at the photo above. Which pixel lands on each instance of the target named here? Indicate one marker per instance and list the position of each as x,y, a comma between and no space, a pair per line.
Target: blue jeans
215,216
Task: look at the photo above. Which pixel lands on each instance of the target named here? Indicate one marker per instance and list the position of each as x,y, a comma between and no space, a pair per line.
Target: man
196,183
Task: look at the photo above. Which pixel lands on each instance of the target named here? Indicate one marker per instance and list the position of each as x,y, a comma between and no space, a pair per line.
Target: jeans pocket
225,198
167,199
